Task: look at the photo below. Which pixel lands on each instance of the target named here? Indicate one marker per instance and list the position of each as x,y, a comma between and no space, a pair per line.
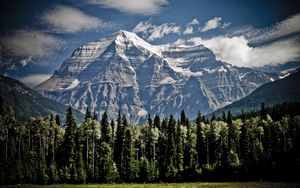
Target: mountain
125,72
284,90
29,103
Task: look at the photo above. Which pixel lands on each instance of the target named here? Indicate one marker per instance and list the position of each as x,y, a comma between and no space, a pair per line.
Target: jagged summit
125,72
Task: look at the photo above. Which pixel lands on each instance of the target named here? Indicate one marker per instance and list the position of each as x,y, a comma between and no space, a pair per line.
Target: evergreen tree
156,122
119,142
57,120
87,114
201,145
127,171
224,117
263,113
95,117
105,129
144,169
171,148
68,147
108,170
179,150
183,118
79,163
232,134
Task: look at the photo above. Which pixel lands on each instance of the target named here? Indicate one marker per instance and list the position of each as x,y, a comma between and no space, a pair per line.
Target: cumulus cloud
213,24
189,29
34,79
64,19
30,43
236,51
141,7
152,32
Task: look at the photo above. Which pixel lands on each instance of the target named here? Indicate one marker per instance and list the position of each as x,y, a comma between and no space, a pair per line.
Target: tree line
251,146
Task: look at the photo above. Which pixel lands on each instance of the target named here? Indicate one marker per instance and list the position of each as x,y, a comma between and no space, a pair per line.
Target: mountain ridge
277,92
28,103
124,72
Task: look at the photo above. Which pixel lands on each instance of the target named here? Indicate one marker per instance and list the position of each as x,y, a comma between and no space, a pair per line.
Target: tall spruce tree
105,129
68,147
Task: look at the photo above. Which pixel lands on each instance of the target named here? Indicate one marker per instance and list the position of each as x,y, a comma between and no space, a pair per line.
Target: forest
263,145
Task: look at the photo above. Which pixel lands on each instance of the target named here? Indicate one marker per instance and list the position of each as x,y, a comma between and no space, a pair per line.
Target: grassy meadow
169,185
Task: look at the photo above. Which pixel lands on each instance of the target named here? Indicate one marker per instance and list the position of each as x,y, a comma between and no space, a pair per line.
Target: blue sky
37,36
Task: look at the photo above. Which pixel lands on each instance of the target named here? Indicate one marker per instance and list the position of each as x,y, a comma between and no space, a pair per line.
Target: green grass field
170,185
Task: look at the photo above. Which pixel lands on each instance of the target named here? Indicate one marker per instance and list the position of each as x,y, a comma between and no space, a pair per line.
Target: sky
37,36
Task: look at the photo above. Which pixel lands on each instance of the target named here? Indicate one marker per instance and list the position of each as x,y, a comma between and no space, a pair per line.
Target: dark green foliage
29,103
280,91
105,129
254,147
108,171
87,114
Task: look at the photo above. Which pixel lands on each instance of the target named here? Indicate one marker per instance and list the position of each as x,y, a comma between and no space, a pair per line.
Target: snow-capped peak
124,72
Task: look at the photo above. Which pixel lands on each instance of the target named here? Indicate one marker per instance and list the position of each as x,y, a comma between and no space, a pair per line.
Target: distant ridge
29,103
284,90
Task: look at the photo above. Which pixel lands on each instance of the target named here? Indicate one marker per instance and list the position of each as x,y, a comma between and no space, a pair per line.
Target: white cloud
193,22
152,32
236,51
63,19
162,30
25,61
143,27
34,79
189,28
30,43
141,7
284,28
213,24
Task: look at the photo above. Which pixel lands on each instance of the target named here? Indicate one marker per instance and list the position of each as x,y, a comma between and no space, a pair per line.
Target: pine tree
156,122
144,170
95,117
224,117
108,170
105,129
263,113
79,163
171,148
232,134
87,114
201,145
57,120
119,142
183,118
127,172
149,148
179,149
68,147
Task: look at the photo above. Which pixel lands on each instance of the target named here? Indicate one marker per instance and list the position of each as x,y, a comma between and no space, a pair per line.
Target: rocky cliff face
125,72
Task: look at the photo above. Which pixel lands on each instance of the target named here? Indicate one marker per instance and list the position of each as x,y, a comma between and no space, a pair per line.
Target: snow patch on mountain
124,72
